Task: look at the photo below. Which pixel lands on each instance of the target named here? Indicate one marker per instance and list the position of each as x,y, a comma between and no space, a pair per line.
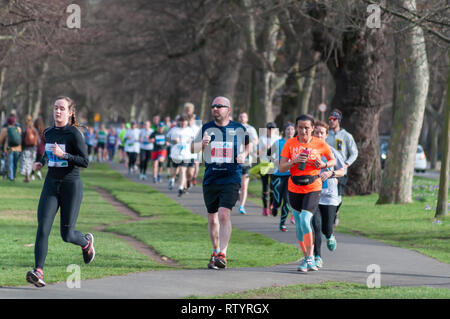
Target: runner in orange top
305,185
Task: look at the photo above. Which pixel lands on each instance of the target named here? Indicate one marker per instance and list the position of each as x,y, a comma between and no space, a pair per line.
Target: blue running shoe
303,267
331,243
318,261
307,264
242,210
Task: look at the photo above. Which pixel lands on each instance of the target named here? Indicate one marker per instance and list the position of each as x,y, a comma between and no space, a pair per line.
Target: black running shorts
220,195
307,201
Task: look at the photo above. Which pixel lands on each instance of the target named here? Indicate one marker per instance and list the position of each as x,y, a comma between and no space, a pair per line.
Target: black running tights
66,195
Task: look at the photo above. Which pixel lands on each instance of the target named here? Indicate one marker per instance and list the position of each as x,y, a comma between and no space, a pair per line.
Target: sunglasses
332,119
218,106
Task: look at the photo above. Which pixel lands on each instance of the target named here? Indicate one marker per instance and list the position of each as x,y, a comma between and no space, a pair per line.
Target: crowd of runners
302,168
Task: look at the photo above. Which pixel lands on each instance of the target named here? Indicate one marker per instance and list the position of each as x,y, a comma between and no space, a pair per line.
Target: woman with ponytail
65,153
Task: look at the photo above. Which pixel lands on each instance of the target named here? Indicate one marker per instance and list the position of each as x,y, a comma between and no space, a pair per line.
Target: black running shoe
89,252
212,261
36,277
221,261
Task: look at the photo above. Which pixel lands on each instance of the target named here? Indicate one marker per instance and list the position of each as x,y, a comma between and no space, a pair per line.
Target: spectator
11,137
30,141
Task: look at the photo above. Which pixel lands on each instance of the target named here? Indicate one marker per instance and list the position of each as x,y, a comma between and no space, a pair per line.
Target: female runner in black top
65,153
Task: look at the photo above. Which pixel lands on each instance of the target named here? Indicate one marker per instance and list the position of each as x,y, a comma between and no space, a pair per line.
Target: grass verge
177,233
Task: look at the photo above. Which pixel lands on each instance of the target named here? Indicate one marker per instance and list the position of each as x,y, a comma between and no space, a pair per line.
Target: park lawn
180,234
18,222
407,225
337,290
174,232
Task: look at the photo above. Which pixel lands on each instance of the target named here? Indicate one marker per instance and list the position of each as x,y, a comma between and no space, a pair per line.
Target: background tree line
273,59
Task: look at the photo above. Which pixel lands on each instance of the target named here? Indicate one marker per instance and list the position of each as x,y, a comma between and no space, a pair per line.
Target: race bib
222,152
53,160
160,139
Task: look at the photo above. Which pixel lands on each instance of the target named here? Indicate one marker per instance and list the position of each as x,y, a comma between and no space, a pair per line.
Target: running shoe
307,264
212,262
283,228
242,210
331,243
89,251
170,184
318,261
194,182
292,220
155,180
181,192
266,212
221,261
274,212
36,277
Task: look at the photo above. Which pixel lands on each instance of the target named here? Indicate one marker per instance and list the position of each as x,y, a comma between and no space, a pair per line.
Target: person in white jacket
343,142
132,146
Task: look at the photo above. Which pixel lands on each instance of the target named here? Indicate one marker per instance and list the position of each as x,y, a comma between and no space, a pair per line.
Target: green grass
175,232
338,290
180,234
407,225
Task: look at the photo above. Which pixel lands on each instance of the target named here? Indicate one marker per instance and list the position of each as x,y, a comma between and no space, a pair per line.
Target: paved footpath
350,262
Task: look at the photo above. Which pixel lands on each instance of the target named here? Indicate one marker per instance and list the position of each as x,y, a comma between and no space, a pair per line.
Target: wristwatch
66,156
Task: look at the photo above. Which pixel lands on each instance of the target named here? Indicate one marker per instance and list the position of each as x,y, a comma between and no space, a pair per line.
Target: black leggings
323,222
132,157
279,187
266,190
64,194
145,157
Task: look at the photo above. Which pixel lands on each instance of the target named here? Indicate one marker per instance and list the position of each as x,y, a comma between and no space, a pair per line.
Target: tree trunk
2,83
205,113
308,87
359,95
398,173
40,89
224,83
442,204
355,59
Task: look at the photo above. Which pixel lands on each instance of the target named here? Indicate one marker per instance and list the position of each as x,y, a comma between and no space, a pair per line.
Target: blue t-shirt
281,143
220,155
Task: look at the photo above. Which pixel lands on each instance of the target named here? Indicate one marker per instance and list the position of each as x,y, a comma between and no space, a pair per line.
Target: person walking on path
30,141
252,158
299,156
146,149
280,180
111,144
159,154
181,138
344,143
65,153
221,140
266,142
323,220
11,138
90,143
101,143
132,146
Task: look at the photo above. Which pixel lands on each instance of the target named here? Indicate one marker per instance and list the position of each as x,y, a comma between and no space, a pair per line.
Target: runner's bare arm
285,164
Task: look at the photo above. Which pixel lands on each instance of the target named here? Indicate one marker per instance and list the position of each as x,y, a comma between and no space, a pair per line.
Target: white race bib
53,160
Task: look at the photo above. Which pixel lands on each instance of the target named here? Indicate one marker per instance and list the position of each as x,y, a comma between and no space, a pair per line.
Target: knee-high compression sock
304,231
305,224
